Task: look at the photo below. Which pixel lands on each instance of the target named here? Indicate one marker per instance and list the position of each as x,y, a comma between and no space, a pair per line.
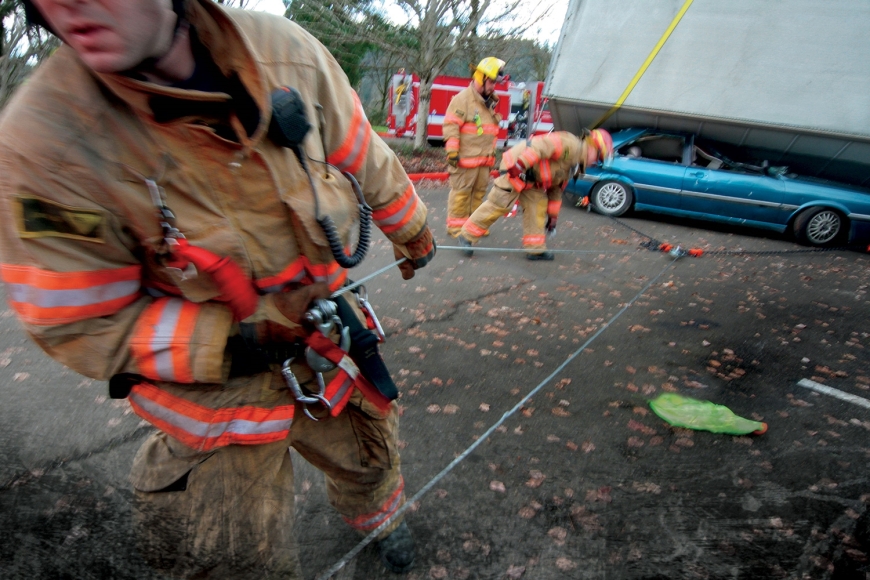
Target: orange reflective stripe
352,152
452,144
507,159
534,240
295,272
456,222
471,129
529,157
474,229
160,342
204,428
470,162
450,118
546,176
372,520
45,297
398,213
553,207
517,183
331,273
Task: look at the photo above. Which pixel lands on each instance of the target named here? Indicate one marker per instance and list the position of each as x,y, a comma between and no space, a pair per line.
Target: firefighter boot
463,241
546,256
397,549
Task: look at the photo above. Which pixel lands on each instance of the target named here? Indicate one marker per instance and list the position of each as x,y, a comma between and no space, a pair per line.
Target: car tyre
819,226
611,198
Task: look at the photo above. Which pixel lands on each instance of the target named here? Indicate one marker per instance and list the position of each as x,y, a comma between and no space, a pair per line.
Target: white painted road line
834,392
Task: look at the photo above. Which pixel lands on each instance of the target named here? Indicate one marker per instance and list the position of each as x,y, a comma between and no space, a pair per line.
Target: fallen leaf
515,572
564,564
497,486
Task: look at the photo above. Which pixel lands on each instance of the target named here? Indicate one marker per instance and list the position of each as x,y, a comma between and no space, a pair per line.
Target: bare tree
21,48
444,28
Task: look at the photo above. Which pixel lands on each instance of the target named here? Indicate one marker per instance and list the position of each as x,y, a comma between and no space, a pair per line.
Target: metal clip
296,390
324,316
678,252
362,300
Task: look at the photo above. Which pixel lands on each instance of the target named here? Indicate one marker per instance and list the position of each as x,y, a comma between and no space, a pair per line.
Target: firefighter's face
488,87
112,35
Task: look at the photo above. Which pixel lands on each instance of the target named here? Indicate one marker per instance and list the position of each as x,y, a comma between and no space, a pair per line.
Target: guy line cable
408,503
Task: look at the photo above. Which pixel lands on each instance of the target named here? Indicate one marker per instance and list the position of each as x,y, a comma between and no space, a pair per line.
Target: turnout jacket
471,128
550,161
85,159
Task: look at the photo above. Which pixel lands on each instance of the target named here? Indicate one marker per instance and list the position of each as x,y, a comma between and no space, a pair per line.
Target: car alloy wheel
612,198
818,226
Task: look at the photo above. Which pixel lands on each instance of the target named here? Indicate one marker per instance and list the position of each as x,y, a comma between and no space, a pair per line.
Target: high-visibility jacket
85,159
550,161
471,128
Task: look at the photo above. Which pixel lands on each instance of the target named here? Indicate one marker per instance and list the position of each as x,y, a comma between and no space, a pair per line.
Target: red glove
418,252
518,169
551,223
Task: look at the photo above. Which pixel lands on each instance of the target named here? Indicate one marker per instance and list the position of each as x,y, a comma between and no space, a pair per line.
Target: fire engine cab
521,106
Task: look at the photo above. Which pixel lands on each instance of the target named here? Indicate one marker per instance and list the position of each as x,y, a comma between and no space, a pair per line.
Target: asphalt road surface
578,480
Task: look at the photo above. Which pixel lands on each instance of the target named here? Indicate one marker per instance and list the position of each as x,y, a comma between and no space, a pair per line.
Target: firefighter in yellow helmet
535,172
470,133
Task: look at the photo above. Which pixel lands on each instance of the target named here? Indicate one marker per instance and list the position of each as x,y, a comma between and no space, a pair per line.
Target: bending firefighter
184,187
470,134
534,173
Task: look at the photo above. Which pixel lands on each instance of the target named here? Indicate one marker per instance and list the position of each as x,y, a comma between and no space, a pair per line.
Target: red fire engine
518,103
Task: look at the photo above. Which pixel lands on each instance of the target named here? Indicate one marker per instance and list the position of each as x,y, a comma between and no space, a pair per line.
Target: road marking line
861,401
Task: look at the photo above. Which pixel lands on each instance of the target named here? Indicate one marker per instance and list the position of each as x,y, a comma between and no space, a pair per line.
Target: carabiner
296,390
363,302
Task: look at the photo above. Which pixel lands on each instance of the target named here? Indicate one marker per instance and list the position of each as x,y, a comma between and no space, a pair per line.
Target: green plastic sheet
689,413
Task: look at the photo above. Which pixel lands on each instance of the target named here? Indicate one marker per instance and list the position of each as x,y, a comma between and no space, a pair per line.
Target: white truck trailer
784,80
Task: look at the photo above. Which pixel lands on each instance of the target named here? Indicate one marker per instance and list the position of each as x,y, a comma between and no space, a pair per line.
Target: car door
733,195
654,164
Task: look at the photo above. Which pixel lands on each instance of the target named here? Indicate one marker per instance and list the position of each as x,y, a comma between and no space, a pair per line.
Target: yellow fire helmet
491,68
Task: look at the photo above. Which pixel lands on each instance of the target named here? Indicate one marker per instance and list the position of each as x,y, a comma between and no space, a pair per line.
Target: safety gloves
551,224
279,316
418,252
453,158
517,169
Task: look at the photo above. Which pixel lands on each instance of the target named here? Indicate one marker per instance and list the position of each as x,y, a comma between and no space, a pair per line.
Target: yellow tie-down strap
645,65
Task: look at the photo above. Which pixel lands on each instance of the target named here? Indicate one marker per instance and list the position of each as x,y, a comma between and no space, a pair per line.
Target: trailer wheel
611,198
819,226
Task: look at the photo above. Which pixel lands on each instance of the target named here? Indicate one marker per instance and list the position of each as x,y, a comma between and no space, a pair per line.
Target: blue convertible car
671,173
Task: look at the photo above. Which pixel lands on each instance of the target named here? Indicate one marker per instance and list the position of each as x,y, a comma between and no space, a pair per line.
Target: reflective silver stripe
656,188
206,430
859,216
82,297
342,390
739,200
164,338
377,519
358,140
400,215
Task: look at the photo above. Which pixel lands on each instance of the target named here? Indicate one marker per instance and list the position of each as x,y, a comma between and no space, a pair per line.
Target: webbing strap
645,65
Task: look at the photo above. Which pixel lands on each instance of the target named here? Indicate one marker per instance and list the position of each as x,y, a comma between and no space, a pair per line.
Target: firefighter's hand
453,158
517,169
279,316
418,252
551,223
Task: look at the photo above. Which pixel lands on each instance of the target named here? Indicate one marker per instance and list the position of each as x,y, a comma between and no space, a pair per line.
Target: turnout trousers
229,513
467,190
498,202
